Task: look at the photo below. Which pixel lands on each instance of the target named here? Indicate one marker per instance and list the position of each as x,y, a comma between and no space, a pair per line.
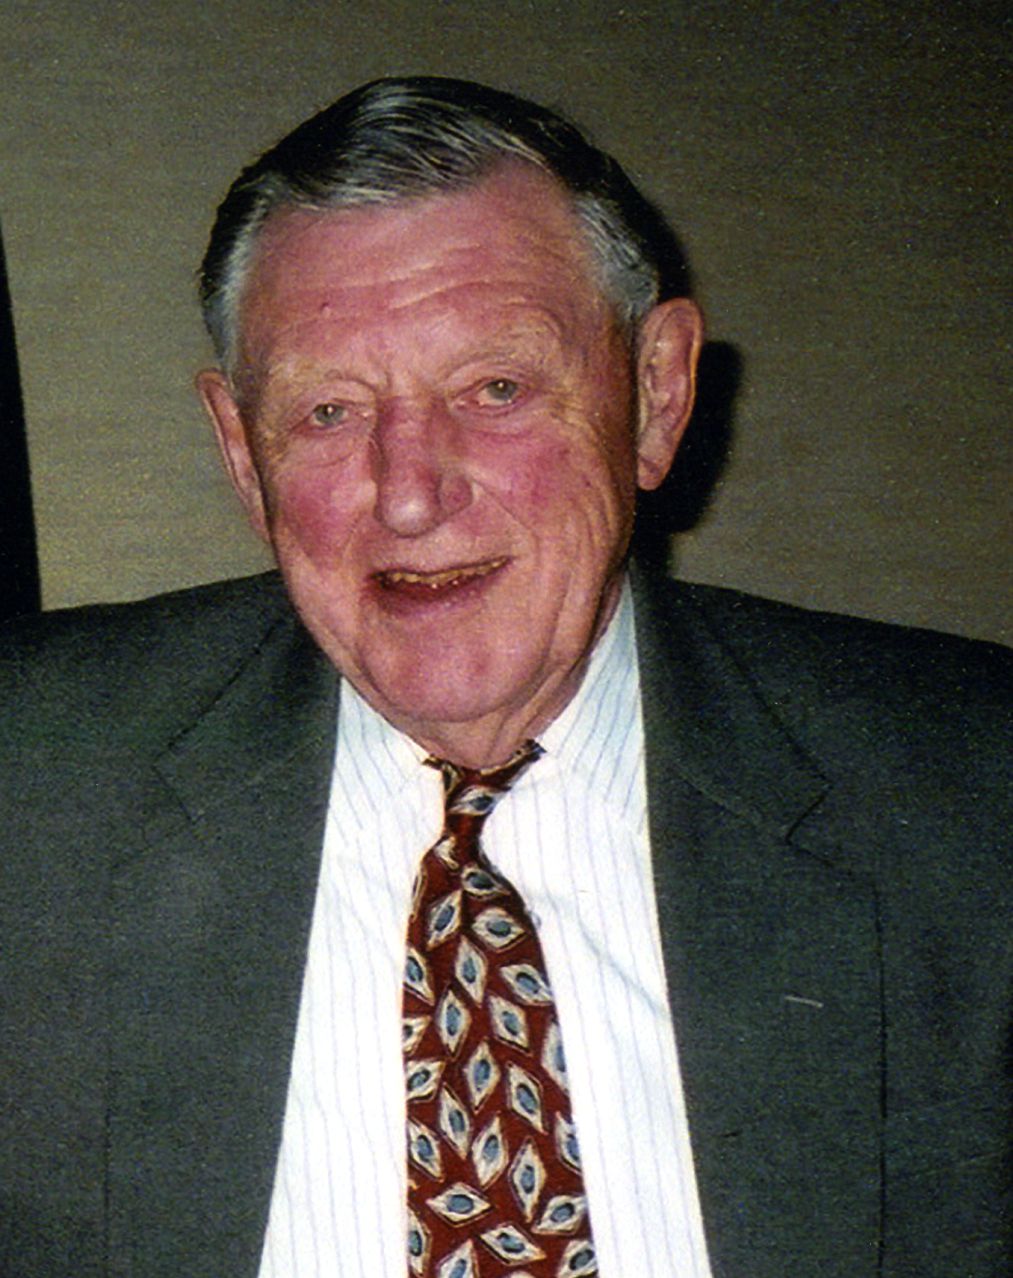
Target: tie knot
474,792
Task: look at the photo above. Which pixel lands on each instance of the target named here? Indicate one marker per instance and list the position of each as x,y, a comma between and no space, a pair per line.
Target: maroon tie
494,1180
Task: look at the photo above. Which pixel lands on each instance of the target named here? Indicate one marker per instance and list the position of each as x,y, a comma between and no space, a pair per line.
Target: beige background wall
836,172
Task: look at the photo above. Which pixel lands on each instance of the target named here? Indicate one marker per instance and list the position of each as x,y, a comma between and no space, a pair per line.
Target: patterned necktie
494,1180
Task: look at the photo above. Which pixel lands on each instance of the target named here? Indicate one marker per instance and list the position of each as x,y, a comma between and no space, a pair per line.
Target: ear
670,340
233,443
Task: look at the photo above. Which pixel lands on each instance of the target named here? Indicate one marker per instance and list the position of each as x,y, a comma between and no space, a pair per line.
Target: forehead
511,242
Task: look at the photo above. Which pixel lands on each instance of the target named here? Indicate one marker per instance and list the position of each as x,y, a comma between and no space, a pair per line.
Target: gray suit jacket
834,898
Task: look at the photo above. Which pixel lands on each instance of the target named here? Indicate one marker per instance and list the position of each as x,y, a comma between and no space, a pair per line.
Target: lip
407,589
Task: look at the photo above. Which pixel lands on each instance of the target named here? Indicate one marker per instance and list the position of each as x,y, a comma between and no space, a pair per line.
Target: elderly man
672,924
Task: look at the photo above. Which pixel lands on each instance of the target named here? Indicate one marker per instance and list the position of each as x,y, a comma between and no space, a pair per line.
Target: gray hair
397,139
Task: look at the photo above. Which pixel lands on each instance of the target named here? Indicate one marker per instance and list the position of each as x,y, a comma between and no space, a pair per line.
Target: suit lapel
211,925
772,965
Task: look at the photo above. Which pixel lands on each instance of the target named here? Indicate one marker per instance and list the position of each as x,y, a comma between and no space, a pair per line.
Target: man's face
435,425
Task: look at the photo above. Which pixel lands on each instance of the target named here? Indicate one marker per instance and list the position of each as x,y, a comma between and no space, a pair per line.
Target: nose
418,472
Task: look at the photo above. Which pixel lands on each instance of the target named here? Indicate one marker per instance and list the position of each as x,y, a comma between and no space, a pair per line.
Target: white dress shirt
572,837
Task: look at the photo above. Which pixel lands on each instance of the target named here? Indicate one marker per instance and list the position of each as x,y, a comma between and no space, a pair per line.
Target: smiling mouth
445,579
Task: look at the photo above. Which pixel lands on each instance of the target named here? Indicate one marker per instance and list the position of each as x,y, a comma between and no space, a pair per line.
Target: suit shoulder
135,657
796,650
189,616
867,697
910,729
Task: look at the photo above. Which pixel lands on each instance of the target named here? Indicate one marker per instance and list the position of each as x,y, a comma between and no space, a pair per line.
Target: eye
329,414
500,391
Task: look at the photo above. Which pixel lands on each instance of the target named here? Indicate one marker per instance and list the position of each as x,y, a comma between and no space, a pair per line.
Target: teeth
438,580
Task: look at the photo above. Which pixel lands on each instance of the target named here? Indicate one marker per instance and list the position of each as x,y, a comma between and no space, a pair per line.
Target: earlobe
230,432
670,340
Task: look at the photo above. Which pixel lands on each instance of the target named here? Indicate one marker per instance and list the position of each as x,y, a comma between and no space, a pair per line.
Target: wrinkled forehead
516,229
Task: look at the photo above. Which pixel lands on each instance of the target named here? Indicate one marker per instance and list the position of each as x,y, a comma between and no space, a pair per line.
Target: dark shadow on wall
682,500
19,569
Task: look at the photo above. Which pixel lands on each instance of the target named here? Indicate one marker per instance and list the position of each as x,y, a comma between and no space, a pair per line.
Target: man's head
399,139
446,372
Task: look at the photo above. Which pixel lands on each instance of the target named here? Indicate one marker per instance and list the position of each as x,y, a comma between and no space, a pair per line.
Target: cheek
570,494
313,509
535,486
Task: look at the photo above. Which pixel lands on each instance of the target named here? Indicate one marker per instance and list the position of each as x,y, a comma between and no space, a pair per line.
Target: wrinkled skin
439,429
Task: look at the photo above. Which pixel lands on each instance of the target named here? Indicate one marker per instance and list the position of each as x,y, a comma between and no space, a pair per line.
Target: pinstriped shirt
572,836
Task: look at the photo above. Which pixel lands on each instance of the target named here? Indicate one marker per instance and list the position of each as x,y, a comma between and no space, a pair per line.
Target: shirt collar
377,759
597,740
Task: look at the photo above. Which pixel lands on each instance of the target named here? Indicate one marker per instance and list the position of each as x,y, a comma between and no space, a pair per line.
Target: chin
442,698
437,705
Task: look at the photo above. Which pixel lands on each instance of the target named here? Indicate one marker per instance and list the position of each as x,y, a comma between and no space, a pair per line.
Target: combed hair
398,139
